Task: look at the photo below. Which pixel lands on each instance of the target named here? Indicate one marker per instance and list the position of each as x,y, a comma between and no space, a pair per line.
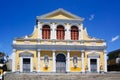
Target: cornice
58,47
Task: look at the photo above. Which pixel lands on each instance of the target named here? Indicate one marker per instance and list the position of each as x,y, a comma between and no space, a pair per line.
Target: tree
3,60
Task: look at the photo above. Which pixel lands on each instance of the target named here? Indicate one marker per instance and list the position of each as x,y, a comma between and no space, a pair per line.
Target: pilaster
67,32
53,32
82,56
105,61
38,60
54,61
68,61
39,30
81,32
98,65
13,60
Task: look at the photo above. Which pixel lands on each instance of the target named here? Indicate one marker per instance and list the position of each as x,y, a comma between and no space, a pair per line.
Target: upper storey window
74,33
46,32
60,32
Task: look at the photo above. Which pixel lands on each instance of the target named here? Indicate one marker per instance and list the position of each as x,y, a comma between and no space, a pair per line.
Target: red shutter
46,32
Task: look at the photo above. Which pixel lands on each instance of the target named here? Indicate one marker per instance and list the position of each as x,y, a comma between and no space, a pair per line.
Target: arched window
74,33
45,32
60,32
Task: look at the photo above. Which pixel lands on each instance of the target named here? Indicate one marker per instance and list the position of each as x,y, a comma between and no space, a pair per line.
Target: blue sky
102,18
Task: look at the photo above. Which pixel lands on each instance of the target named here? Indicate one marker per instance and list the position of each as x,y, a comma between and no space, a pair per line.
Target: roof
58,12
114,52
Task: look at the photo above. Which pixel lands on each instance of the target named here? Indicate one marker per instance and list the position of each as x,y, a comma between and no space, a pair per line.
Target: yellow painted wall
46,42
17,61
49,69
101,61
60,16
92,43
26,42
79,65
34,34
60,43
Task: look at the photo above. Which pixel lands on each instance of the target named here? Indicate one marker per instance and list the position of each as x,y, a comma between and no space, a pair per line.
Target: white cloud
115,38
91,17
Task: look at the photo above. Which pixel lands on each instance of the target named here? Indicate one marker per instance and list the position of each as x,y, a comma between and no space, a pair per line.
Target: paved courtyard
39,76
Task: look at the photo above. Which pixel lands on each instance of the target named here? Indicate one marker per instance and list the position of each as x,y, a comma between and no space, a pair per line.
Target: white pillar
98,65
13,60
68,61
54,61
67,32
31,62
82,56
39,30
21,64
89,67
105,61
81,32
53,32
38,60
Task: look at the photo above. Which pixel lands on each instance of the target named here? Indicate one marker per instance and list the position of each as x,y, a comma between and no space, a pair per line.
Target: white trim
68,61
13,60
82,32
39,30
53,35
38,60
21,64
98,65
67,32
105,62
89,67
83,69
54,62
31,62
89,64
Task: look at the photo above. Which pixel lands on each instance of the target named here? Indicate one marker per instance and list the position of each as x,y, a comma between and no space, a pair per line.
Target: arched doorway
60,63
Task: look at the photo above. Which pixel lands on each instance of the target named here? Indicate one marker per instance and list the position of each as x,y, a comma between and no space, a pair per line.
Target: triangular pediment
60,14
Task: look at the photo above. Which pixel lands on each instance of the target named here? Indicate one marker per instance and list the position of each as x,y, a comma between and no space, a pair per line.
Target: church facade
59,44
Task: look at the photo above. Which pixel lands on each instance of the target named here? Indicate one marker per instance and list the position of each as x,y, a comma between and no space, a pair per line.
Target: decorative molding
58,47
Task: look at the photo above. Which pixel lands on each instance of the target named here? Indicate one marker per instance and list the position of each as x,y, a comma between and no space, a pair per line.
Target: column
98,65
105,61
53,32
21,64
38,60
81,32
31,62
67,32
54,61
82,56
68,61
13,59
39,30
89,67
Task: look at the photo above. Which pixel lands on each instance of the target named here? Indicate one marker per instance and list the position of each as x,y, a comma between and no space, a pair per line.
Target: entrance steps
60,76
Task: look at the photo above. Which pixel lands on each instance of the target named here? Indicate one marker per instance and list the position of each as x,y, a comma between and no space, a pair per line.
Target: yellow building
59,44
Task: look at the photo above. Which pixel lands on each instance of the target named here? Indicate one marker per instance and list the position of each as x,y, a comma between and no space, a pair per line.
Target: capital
38,49
82,51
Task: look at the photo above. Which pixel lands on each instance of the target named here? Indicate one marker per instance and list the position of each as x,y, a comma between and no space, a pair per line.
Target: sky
102,18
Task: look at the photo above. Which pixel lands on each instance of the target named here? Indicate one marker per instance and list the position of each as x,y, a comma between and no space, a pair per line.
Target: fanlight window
60,32
46,32
75,61
74,33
